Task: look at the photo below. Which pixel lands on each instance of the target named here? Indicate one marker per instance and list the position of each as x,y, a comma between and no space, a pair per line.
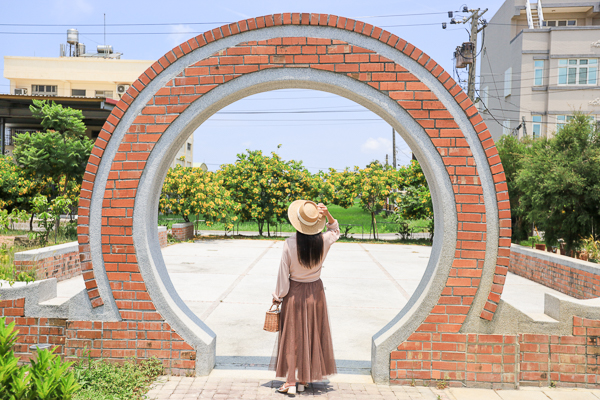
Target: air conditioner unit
121,89
21,91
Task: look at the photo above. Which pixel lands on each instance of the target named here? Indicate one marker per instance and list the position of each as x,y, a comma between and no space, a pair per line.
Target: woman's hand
275,302
324,211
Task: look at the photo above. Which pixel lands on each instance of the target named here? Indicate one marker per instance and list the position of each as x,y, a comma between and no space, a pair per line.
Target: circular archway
126,278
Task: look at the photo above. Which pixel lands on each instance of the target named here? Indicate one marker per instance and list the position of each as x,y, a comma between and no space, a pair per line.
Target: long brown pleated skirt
304,342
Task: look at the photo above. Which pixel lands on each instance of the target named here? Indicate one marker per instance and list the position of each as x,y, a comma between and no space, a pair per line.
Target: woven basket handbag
272,319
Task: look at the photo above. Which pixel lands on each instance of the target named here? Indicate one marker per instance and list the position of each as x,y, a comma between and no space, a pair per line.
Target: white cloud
376,145
180,33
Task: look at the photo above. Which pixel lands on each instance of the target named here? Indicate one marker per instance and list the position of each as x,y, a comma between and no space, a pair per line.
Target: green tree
52,156
377,185
54,117
415,199
560,181
58,155
192,191
512,152
264,186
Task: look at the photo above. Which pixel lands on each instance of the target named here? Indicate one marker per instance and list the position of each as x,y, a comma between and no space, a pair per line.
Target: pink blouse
290,267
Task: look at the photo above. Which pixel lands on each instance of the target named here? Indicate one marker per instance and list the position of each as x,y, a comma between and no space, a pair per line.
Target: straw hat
304,215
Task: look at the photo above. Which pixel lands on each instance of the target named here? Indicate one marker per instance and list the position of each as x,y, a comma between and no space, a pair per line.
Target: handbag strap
271,309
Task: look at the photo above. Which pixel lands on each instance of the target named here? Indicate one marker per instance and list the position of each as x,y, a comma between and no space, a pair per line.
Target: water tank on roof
105,49
72,36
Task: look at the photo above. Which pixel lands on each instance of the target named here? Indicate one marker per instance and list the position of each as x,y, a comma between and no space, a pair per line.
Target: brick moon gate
134,305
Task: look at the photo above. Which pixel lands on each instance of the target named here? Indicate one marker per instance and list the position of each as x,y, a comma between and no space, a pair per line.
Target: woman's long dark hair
310,249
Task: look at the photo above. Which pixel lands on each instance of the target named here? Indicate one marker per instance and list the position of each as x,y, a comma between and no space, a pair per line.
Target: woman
304,342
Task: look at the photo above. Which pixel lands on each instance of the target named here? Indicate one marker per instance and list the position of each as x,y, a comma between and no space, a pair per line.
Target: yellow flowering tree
17,188
377,185
321,187
347,186
264,186
415,201
192,191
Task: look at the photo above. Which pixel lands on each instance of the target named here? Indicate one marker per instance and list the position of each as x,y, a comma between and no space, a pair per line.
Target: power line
206,23
170,33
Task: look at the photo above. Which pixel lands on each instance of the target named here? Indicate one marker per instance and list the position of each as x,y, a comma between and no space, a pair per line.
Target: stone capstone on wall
60,262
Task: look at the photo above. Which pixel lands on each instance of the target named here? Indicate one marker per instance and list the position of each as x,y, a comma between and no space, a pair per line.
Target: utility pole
477,26
3,138
394,148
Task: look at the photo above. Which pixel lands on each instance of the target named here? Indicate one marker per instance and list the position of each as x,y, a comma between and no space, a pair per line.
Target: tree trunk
31,223
374,223
268,229
56,230
260,228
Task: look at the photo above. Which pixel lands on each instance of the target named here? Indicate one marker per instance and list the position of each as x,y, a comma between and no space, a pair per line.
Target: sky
346,135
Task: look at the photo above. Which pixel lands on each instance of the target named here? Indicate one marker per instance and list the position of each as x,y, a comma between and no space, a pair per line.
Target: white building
539,65
81,75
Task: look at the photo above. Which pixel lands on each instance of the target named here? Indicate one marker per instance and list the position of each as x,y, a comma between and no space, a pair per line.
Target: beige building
82,75
539,65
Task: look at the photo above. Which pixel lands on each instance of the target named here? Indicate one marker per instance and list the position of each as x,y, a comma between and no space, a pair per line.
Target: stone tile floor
230,388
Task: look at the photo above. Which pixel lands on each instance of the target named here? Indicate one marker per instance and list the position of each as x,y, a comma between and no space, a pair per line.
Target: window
508,82
506,127
571,22
575,71
78,92
538,72
537,126
562,120
104,93
48,90
189,146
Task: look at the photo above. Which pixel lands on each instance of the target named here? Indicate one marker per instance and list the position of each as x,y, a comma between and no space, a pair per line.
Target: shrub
100,379
47,377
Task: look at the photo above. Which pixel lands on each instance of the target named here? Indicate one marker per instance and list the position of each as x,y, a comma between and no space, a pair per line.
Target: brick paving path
228,388
184,388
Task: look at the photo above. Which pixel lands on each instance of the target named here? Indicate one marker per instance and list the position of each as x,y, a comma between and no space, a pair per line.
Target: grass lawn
356,216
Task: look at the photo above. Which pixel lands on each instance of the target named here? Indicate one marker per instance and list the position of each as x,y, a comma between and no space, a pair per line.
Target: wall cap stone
182,225
574,263
49,251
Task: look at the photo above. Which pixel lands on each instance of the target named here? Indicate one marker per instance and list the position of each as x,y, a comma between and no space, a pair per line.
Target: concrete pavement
228,283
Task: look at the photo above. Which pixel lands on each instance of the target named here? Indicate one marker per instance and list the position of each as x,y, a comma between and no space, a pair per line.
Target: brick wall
577,278
109,340
162,236
33,330
183,231
60,262
501,361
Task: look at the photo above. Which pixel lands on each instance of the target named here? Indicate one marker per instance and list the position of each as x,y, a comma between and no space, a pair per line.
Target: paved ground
221,385
228,283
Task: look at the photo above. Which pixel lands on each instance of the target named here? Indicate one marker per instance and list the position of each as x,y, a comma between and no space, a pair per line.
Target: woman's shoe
302,386
287,389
